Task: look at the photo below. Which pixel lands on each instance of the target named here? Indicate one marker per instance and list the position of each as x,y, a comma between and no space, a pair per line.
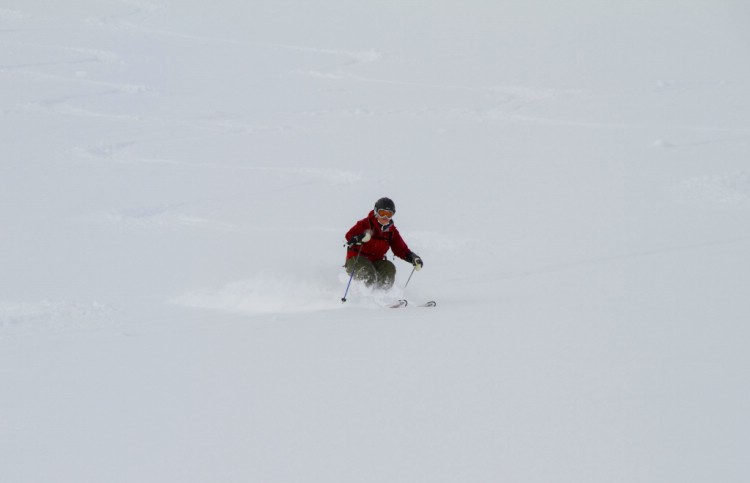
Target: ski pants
380,273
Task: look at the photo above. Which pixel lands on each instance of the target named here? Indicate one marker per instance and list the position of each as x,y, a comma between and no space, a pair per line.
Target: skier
369,240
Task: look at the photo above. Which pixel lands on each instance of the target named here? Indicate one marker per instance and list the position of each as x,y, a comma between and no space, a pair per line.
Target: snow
177,178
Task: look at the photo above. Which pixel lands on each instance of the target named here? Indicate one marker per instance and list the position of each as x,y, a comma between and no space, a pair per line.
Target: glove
359,239
415,260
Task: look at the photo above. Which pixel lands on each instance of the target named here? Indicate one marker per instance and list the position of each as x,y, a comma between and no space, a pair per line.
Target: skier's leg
363,270
386,272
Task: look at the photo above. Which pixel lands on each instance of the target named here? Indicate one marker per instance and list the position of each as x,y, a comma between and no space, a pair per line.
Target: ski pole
409,279
354,269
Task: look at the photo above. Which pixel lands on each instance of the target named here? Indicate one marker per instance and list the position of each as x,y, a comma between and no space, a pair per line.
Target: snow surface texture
177,177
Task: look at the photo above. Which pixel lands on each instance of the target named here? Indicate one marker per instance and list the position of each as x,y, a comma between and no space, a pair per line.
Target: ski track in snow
668,86
52,316
141,9
354,57
27,68
727,190
663,143
158,217
64,107
143,6
70,105
122,153
87,55
10,14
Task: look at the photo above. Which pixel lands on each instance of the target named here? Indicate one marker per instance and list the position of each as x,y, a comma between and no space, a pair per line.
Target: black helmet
385,204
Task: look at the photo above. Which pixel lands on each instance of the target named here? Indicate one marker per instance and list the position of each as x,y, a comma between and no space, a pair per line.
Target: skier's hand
360,239
416,261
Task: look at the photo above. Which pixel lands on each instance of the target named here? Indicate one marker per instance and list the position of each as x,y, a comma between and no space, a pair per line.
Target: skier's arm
360,239
401,250
359,233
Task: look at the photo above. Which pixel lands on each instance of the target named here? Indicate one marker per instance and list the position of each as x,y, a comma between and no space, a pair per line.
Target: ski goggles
385,213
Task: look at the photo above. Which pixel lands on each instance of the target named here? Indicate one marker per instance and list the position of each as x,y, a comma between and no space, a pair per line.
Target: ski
398,304
404,303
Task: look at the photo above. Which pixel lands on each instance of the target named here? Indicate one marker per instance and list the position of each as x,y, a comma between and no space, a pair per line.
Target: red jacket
383,238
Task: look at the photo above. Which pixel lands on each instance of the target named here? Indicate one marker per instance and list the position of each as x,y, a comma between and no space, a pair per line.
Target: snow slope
177,178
